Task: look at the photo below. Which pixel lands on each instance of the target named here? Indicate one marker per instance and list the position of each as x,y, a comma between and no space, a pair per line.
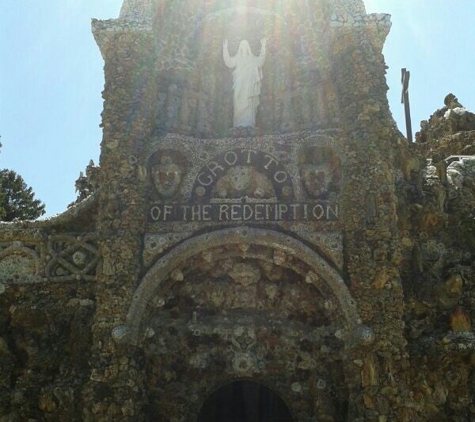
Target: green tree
17,200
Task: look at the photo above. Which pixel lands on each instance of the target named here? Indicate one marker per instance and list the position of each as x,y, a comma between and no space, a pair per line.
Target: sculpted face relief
316,179
166,177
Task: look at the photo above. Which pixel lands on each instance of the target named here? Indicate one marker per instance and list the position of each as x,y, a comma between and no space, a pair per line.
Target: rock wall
48,271
436,203
316,254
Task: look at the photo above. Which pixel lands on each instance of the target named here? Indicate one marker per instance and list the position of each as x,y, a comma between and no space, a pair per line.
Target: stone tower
220,270
245,229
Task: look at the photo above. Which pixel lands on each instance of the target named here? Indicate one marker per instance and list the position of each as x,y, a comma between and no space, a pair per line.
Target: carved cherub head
316,179
166,177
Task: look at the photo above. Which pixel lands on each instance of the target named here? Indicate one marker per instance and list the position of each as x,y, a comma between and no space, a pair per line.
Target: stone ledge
376,25
65,217
359,21
120,25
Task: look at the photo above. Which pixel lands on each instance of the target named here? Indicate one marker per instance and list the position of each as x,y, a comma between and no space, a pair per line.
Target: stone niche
195,87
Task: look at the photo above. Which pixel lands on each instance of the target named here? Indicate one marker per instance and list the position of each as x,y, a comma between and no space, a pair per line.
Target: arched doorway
243,304
244,401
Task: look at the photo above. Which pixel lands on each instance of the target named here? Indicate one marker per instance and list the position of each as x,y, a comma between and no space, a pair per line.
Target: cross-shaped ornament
405,77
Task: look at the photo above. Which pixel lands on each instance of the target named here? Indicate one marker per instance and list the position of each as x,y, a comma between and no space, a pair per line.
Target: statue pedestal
243,132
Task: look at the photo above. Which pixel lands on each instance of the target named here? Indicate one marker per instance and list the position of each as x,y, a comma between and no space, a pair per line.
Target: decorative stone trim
61,258
282,244
19,264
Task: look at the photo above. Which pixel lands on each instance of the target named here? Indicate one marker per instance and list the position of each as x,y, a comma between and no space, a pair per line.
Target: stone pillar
115,390
370,218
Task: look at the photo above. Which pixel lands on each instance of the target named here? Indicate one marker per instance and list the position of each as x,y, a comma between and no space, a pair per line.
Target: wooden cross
405,76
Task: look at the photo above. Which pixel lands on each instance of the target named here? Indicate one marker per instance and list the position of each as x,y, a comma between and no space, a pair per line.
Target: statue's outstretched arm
230,61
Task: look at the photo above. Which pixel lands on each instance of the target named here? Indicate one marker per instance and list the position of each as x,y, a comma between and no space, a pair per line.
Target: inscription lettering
264,163
323,211
280,176
231,158
271,160
205,179
213,166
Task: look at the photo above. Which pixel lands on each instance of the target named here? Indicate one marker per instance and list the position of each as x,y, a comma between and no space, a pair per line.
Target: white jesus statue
247,81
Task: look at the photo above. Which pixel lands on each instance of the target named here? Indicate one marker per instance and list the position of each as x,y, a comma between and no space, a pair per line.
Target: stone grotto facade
312,266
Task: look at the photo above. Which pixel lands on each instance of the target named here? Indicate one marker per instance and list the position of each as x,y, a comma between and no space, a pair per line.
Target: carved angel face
166,178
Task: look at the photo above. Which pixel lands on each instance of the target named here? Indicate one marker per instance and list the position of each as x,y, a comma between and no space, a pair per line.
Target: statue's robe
247,82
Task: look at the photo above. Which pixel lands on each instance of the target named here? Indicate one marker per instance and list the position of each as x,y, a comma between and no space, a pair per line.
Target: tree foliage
17,200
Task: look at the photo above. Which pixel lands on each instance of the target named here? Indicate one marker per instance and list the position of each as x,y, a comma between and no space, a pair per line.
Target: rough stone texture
143,10
436,204
317,254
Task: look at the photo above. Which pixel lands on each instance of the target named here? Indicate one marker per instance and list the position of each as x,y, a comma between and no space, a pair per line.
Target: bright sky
51,79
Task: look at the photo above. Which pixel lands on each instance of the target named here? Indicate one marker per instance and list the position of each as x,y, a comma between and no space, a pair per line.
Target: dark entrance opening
244,401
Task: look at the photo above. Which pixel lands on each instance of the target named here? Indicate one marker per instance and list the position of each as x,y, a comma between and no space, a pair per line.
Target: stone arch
19,263
163,268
